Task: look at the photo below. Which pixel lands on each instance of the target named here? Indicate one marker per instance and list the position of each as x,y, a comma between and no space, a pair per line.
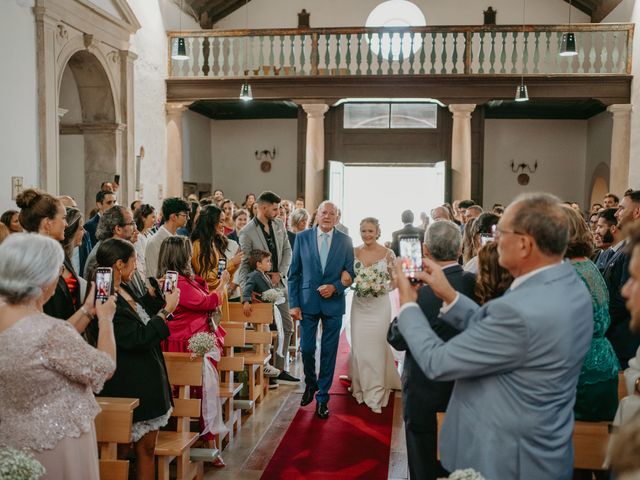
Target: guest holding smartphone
193,314
140,324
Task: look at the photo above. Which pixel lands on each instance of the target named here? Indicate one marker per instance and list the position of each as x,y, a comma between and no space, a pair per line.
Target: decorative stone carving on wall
88,40
114,56
63,35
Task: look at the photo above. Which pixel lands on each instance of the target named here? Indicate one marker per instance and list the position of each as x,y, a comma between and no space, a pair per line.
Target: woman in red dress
195,306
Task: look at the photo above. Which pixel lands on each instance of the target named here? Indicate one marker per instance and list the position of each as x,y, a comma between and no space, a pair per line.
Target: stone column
620,148
461,151
48,122
174,149
314,156
127,168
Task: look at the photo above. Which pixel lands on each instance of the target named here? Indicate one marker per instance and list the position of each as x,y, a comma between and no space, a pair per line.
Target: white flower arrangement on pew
273,295
201,343
466,474
19,465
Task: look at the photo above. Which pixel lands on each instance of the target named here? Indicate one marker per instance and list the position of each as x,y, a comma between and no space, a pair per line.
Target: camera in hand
170,281
104,283
411,255
222,266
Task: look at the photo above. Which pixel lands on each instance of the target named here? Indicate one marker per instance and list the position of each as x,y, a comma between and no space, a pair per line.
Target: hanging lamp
568,43
245,91
181,52
522,93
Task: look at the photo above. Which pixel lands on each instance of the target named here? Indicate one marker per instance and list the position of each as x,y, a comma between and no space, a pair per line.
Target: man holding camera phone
517,359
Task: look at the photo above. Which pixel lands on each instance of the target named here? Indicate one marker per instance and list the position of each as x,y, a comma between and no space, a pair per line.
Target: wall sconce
265,157
523,178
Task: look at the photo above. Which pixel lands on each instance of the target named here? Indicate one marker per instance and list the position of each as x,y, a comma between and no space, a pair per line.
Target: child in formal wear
257,281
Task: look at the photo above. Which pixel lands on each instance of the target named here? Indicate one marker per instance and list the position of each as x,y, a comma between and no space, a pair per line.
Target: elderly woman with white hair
48,372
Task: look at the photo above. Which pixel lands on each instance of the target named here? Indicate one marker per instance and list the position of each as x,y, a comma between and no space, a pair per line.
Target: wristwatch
167,315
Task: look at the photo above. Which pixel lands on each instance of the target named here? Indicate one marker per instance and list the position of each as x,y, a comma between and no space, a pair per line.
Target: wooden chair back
184,372
113,426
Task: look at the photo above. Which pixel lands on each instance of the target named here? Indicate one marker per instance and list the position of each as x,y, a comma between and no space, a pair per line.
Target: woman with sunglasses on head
44,214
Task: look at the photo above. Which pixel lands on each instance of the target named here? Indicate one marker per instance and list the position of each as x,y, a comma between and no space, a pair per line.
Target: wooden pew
260,339
184,372
590,439
227,366
113,426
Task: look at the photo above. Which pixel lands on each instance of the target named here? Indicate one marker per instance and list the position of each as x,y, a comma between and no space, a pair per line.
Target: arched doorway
90,135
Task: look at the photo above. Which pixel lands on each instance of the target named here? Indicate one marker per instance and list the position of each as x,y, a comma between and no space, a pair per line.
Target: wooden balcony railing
462,50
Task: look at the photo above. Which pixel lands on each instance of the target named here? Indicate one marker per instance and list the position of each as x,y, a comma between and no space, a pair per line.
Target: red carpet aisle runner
353,443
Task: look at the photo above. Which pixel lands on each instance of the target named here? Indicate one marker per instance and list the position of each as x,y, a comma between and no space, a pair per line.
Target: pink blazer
192,314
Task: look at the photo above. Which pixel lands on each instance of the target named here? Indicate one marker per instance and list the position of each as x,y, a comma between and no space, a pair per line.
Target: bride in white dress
372,369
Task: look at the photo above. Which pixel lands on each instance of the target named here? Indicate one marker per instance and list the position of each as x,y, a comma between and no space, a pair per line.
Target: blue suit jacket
516,366
90,227
306,275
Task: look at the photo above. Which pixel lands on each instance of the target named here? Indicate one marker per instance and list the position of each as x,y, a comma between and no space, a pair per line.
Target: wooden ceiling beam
604,8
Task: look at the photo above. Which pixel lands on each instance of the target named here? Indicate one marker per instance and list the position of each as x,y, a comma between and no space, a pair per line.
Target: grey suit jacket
251,238
516,366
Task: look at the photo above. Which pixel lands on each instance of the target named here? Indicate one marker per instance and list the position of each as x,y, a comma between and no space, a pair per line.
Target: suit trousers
331,326
287,327
422,450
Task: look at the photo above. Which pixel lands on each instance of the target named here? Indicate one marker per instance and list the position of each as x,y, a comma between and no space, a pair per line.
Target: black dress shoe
307,396
322,410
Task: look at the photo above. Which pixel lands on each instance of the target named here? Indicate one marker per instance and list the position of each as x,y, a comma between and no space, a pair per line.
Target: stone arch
599,183
90,143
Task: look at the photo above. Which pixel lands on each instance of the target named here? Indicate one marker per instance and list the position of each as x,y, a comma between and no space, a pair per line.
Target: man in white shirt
175,212
517,359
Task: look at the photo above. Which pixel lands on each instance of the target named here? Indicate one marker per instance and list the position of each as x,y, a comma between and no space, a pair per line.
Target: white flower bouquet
466,474
19,465
372,282
273,295
201,344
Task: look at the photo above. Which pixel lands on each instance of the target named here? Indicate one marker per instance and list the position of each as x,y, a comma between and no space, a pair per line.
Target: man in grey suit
517,359
267,232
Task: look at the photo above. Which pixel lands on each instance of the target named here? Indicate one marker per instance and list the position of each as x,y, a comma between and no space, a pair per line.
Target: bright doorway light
384,192
395,13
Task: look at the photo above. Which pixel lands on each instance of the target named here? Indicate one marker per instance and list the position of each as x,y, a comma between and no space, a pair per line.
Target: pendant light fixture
568,44
522,94
245,90
181,52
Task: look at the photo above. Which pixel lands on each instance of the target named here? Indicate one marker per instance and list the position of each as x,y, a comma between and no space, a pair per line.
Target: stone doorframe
64,28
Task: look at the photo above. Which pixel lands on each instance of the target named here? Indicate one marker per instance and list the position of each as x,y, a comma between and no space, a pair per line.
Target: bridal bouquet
466,474
272,295
201,344
371,282
19,465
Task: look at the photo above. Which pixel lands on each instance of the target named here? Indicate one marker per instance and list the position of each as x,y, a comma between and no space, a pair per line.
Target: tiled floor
259,437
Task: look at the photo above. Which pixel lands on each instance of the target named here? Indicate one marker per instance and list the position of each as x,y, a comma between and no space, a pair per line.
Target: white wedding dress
372,368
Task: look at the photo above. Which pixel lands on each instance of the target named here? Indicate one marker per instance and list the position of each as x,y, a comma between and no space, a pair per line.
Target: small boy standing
257,282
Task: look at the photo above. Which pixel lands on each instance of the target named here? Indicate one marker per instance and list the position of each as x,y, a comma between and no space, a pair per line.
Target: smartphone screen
411,254
104,277
485,238
170,281
222,266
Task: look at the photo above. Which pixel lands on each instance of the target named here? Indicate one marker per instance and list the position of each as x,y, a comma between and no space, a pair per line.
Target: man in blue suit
517,359
316,293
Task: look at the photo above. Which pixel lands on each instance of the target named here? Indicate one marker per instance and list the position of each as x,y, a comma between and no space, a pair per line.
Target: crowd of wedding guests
49,256
477,254
48,262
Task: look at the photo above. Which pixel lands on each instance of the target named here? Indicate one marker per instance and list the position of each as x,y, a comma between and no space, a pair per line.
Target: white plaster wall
150,72
283,13
598,148
72,171
196,147
629,11
18,96
235,168
559,146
